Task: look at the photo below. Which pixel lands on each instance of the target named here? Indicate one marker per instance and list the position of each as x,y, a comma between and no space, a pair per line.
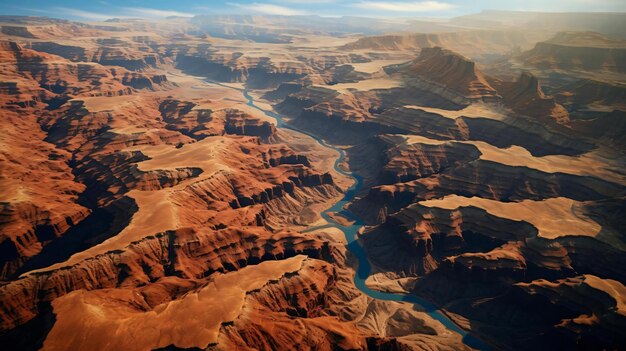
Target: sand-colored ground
612,287
319,156
10,192
553,217
192,321
204,94
107,103
341,219
418,139
157,212
588,164
587,40
197,88
365,85
331,233
410,326
474,110
389,282
593,163
259,101
204,154
375,65
215,97
314,42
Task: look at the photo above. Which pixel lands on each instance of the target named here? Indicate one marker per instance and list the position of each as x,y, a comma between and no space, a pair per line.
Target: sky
98,10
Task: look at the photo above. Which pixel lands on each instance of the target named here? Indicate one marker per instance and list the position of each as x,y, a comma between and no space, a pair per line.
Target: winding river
350,232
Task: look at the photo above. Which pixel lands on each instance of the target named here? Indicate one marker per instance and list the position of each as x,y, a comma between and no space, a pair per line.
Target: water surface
350,232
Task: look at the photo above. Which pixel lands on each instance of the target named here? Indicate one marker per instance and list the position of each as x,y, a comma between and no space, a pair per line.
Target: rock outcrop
525,97
581,51
470,43
448,73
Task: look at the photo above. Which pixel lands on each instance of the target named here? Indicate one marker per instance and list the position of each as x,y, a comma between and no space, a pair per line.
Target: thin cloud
94,16
269,9
154,13
306,2
409,6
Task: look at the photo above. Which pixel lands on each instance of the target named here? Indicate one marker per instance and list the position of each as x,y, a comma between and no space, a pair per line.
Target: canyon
267,183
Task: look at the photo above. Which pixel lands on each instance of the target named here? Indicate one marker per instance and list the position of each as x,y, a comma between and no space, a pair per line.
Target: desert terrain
284,183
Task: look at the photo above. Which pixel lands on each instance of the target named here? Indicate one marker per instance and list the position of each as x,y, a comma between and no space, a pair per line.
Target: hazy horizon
102,10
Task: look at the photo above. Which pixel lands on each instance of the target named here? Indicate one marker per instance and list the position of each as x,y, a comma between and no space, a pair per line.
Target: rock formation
586,51
525,96
447,71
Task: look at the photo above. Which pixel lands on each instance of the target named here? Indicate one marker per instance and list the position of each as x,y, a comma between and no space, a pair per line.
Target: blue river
350,231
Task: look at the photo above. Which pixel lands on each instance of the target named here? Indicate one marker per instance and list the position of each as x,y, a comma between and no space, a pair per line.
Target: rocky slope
477,188
35,213
587,51
475,44
480,247
448,72
526,97
130,192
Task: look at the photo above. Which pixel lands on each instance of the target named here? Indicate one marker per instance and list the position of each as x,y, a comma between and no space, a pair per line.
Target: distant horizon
309,15
131,9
